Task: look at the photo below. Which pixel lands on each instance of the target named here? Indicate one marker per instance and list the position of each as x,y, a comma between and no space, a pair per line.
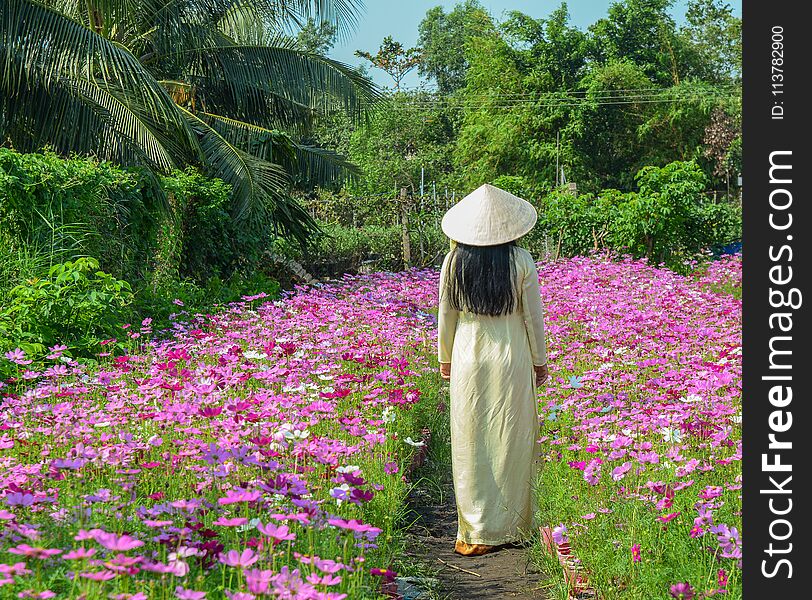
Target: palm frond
39,42
261,188
249,73
312,165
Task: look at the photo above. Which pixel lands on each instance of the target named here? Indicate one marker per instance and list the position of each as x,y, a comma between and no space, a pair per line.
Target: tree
317,38
407,132
715,36
640,31
444,38
162,84
392,58
513,102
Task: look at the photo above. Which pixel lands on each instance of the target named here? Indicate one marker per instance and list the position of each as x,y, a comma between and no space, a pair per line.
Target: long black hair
481,279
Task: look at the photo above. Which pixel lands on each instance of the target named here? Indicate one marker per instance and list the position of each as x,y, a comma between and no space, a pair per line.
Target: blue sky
400,18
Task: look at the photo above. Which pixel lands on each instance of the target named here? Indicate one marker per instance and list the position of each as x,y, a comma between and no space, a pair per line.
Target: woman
492,347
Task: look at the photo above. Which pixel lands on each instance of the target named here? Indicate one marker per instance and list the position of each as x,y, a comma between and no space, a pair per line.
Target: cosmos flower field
263,451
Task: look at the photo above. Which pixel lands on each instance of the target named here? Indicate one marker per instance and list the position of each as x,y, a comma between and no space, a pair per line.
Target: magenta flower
258,581
111,541
79,554
240,560
98,575
668,518
34,552
636,557
231,522
682,591
277,532
17,356
184,594
560,534
234,496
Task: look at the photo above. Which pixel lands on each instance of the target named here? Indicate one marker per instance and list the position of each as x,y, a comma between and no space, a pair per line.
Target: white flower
736,418
691,398
389,415
253,355
671,435
411,442
300,434
102,424
348,469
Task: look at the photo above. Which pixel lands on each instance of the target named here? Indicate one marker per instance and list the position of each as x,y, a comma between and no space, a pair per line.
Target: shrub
76,304
667,220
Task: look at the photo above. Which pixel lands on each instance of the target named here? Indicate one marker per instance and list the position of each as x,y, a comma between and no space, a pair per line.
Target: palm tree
161,84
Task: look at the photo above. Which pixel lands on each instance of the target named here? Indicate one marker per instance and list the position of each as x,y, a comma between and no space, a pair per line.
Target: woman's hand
541,374
445,370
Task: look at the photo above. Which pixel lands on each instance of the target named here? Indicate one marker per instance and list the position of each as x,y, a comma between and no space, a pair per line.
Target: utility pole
404,224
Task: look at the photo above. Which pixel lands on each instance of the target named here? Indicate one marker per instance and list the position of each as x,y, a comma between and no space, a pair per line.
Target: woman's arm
534,315
446,322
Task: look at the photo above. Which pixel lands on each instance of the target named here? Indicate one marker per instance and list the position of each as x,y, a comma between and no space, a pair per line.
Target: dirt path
507,573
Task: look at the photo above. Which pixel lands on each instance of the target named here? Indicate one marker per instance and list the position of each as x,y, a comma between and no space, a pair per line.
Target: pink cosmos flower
34,552
560,534
184,594
44,595
239,595
17,356
19,568
111,541
240,560
619,472
79,554
636,553
682,591
669,517
277,532
258,581
231,522
234,496
98,575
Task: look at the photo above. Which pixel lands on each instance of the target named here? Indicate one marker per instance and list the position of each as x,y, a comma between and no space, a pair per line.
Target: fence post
404,224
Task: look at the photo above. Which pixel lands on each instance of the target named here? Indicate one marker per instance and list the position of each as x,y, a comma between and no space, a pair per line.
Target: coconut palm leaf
261,187
41,43
314,165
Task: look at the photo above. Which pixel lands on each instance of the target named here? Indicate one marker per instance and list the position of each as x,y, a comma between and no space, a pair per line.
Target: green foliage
75,304
213,244
168,84
64,209
444,38
76,234
345,248
629,91
666,220
407,132
643,32
392,58
172,297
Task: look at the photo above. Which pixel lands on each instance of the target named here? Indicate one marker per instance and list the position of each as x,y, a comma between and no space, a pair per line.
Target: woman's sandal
472,549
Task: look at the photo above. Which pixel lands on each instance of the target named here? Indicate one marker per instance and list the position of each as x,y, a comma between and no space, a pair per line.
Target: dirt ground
507,573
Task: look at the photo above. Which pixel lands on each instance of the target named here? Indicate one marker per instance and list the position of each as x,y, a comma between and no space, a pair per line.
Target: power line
561,104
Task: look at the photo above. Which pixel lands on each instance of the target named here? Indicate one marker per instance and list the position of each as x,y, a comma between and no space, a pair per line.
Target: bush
667,220
76,304
64,209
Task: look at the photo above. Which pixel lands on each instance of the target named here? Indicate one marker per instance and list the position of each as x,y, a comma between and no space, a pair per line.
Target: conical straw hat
489,216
